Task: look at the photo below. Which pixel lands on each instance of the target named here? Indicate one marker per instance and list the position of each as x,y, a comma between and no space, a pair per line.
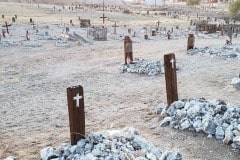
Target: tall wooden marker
115,26
76,113
103,17
171,78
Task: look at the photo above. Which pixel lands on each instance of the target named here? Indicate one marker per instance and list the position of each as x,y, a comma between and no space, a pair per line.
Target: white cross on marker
77,98
172,61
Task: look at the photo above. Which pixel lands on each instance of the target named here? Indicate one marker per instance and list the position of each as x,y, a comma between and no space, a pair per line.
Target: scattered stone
8,43
115,144
215,118
236,83
228,51
143,67
63,44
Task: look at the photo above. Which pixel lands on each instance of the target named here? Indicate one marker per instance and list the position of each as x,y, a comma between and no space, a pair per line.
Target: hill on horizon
70,2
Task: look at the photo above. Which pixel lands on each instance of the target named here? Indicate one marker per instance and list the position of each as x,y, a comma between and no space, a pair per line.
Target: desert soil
33,101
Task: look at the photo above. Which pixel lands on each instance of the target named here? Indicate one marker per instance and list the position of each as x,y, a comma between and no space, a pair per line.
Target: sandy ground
33,112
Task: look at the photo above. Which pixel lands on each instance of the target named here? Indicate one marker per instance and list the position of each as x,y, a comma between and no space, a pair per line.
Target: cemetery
115,80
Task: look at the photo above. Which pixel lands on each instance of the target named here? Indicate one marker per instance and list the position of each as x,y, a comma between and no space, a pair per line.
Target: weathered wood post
115,26
190,42
128,51
171,78
158,23
2,15
76,113
13,19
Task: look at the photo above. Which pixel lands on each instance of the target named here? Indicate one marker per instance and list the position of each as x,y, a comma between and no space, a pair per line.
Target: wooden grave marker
76,113
115,27
103,17
7,26
128,51
171,78
158,23
190,42
13,19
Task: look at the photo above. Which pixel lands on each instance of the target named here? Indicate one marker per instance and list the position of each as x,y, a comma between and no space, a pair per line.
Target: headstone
153,32
171,78
67,29
128,52
190,42
15,16
76,113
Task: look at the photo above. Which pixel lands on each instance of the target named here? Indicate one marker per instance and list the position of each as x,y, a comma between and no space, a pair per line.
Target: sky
152,2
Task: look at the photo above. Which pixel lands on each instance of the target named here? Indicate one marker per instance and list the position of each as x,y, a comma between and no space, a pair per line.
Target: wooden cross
172,61
171,78
76,113
103,17
158,23
115,26
33,24
6,25
77,98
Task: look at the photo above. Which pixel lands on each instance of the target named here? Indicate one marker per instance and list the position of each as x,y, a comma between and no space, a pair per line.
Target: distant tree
234,8
193,2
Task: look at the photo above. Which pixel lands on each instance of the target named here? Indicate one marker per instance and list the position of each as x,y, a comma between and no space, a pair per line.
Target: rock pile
236,82
8,43
228,51
109,145
215,118
143,67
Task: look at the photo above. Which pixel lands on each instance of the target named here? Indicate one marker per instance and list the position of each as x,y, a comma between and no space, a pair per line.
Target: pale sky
152,2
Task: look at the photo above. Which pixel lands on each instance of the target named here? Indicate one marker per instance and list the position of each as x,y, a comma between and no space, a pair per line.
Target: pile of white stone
143,66
109,145
228,51
8,43
236,82
215,118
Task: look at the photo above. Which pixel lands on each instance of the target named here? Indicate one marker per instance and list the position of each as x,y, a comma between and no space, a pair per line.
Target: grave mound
227,51
143,66
215,118
107,145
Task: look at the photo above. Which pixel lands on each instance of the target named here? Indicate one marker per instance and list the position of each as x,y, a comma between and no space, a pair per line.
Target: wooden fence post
171,78
76,113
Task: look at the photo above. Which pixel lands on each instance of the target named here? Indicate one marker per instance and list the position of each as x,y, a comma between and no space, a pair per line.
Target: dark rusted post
171,78
76,113
7,25
128,52
190,42
30,20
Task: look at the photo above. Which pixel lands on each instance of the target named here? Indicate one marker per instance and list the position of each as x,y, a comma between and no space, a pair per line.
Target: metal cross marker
172,61
77,98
